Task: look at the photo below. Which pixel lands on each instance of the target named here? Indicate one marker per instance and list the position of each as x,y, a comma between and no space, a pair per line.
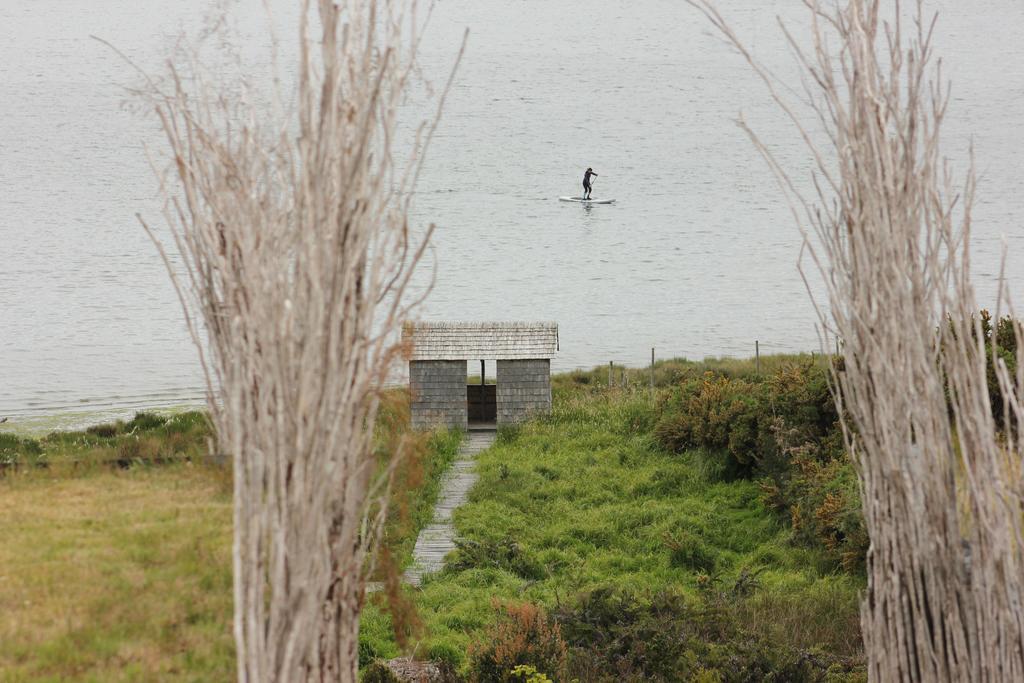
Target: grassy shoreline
39,425
116,568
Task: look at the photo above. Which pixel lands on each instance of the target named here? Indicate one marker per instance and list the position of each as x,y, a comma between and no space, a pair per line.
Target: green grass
146,438
417,487
586,500
78,420
123,572
672,371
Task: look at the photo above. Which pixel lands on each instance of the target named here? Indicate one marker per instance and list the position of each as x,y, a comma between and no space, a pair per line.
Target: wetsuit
586,183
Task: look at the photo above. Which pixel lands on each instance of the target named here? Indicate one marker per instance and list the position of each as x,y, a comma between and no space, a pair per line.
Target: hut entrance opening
481,397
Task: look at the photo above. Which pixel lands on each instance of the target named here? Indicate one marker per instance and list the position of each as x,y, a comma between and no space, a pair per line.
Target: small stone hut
439,357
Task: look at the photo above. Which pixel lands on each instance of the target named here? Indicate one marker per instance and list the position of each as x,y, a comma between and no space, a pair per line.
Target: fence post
611,376
652,370
757,355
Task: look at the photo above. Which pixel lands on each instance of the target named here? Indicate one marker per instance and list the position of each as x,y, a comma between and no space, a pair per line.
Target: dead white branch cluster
290,219
889,233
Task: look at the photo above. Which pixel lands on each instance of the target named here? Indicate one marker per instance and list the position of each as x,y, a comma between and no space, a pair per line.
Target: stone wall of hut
524,389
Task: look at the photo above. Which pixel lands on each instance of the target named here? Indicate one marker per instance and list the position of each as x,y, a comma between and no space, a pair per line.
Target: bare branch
941,487
297,256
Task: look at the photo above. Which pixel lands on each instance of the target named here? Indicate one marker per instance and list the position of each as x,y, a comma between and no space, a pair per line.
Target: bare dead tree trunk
291,223
941,490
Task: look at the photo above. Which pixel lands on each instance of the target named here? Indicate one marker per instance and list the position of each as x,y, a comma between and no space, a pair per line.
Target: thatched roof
480,341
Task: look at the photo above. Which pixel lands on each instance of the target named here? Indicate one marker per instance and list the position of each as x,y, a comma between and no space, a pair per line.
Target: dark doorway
483,402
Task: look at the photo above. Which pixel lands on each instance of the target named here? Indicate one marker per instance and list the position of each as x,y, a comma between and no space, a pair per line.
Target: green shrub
635,415
378,672
192,421
782,427
745,417
714,413
580,377
529,674
663,482
16,450
821,498
367,652
523,635
546,472
135,449
1000,343
449,654
106,430
689,551
616,636
144,422
612,632
505,554
714,466
508,433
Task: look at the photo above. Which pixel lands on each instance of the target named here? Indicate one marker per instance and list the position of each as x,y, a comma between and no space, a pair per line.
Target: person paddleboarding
587,188
586,182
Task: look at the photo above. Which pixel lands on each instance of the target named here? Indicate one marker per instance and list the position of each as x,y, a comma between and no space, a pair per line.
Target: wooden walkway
437,539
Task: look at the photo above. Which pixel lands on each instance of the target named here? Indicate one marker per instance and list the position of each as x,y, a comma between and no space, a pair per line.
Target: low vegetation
148,438
115,551
779,428
705,531
116,575
644,562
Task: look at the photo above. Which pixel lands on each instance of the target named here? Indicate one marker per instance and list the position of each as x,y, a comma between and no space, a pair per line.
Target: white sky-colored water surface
697,257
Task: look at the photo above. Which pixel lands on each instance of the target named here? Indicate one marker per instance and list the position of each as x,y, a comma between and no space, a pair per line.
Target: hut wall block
524,389
438,393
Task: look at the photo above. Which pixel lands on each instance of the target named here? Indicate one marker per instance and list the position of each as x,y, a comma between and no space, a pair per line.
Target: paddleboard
581,200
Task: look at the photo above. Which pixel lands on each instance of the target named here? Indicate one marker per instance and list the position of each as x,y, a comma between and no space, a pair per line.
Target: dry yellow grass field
116,576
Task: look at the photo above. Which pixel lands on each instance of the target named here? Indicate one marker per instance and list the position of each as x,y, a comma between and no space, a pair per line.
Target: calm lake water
698,256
